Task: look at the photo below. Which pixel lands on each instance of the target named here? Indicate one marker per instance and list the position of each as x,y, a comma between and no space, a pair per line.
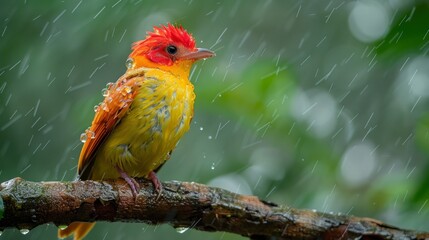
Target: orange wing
118,98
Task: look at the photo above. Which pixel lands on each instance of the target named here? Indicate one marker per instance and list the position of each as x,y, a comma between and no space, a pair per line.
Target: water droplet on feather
83,137
129,63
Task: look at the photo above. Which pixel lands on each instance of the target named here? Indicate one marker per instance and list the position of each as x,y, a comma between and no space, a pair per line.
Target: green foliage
259,88
409,33
422,134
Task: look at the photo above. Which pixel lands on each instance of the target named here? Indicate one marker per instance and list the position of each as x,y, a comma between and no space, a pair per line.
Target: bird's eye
171,49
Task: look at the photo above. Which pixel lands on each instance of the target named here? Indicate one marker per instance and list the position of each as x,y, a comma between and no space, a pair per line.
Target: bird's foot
156,183
134,185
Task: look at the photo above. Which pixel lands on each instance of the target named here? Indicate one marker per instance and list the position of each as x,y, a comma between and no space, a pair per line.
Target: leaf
410,33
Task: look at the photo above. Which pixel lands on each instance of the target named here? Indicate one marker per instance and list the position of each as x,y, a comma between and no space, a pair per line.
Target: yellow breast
158,117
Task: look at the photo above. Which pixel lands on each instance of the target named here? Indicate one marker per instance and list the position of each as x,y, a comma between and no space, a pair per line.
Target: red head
166,46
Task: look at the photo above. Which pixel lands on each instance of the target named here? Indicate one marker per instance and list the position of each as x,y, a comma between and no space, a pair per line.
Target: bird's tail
79,229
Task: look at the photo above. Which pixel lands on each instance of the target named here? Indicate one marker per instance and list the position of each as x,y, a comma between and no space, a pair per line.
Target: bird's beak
201,53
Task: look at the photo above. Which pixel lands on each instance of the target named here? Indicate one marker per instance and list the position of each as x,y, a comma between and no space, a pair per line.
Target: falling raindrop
213,166
24,231
210,137
182,229
201,128
83,137
1,232
129,63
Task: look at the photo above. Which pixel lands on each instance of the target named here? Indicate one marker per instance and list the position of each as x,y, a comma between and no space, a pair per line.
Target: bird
143,114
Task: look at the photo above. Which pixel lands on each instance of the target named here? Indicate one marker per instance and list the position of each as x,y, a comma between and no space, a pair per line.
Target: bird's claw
156,183
134,185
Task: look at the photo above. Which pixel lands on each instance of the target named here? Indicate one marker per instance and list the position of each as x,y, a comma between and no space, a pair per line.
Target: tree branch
25,205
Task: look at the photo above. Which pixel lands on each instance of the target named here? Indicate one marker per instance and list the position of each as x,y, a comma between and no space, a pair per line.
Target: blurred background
312,104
